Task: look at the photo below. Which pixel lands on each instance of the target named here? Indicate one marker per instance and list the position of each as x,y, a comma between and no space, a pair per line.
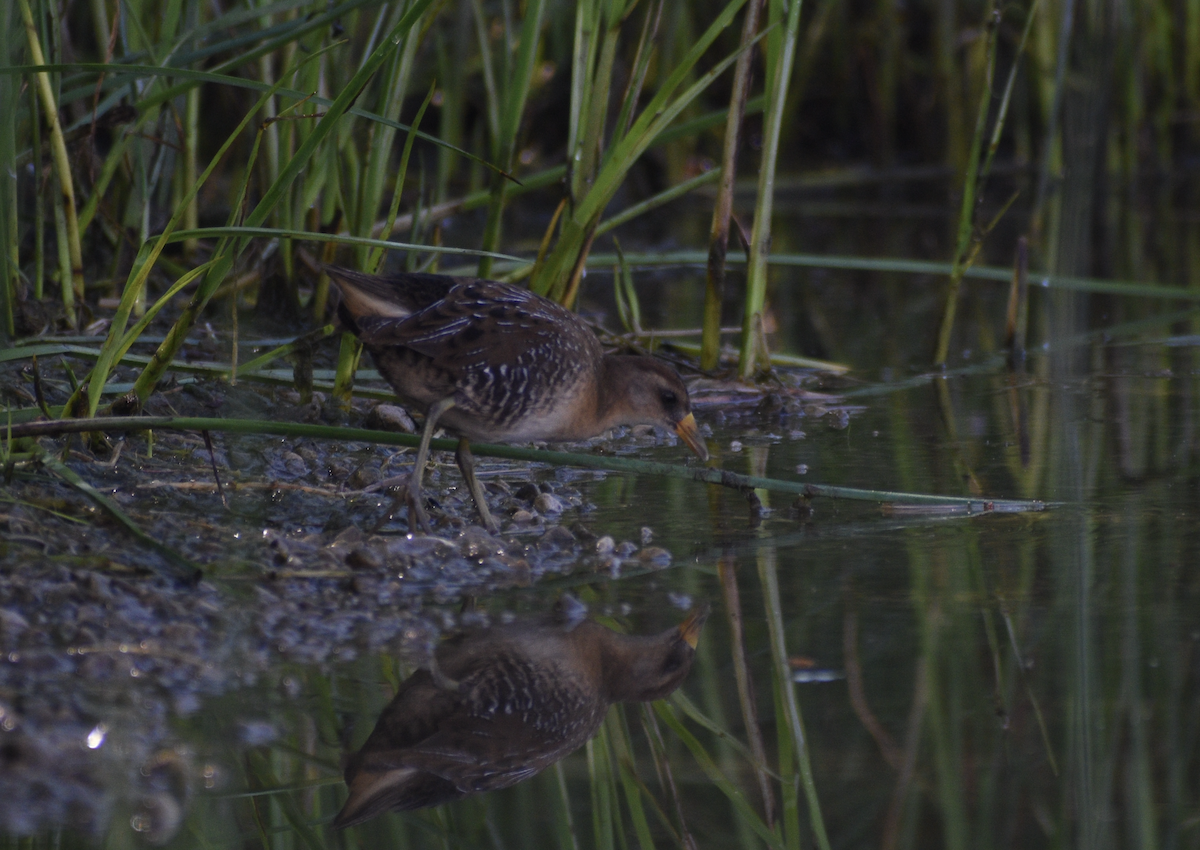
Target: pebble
548,503
655,555
390,417
557,537
364,476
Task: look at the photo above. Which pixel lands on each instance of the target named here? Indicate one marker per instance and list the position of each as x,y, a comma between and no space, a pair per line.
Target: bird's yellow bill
690,434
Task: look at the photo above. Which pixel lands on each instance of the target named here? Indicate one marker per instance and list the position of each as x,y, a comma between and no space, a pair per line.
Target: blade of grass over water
552,458
1073,283
311,236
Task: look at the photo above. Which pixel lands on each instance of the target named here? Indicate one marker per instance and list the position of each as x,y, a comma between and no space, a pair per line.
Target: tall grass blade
753,354
73,284
709,765
791,724
560,274
970,235
508,124
718,237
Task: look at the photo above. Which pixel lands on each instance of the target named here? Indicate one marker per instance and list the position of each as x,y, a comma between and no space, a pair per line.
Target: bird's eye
668,398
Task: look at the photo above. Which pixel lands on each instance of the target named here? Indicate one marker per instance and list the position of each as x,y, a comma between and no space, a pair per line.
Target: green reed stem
349,354
718,238
709,765
508,124
114,345
753,355
553,458
73,283
791,725
971,186
375,260
560,271
374,176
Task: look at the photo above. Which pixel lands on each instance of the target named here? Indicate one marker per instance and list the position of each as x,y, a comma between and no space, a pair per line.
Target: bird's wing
480,324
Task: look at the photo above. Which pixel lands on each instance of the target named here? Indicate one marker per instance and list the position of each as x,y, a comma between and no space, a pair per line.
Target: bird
497,705
496,362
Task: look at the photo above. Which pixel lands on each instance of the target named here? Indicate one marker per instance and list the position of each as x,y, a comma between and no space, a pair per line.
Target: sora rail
501,704
496,362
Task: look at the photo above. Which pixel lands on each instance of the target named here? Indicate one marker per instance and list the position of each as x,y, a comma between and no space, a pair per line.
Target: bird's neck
611,391
622,661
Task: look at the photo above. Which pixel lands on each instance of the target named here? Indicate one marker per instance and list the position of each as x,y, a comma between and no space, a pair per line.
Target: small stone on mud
518,570
365,476
347,538
557,538
363,558
654,555
527,492
548,503
390,417
294,464
524,517
582,532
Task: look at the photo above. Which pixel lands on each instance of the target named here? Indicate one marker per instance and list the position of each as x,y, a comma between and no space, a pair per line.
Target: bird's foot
416,510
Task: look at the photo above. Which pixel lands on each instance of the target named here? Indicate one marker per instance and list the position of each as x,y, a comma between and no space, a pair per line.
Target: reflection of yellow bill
690,628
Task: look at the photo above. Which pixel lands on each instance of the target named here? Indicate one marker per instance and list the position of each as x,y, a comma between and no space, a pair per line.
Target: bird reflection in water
501,704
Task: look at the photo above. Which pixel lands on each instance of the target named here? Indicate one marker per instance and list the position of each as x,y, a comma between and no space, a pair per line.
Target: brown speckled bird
496,362
501,704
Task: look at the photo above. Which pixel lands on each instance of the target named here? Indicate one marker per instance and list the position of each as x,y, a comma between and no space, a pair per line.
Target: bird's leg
415,508
466,463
